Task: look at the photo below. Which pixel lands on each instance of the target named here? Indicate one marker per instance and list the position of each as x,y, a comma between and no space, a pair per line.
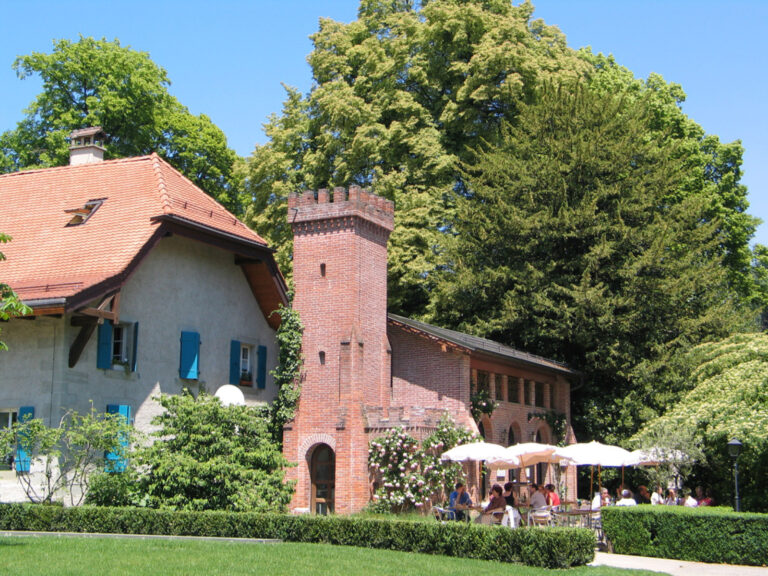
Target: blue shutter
190,354
234,362
261,369
135,349
116,461
23,458
104,357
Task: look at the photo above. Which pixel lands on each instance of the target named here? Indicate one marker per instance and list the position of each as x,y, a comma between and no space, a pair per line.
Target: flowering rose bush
412,476
481,403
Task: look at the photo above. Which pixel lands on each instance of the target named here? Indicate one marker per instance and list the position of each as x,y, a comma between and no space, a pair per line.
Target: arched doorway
322,470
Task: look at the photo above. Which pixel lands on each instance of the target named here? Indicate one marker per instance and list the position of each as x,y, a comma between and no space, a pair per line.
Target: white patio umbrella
531,453
476,452
595,454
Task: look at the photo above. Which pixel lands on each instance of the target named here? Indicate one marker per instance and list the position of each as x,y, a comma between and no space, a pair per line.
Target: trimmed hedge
542,547
717,535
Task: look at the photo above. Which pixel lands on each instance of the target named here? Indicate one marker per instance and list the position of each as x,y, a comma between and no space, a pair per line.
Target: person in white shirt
538,498
657,497
626,499
600,499
689,500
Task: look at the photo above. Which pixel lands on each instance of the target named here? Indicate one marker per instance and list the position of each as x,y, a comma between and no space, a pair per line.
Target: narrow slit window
322,269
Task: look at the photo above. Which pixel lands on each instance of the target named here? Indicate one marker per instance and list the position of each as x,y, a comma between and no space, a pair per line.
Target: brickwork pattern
362,377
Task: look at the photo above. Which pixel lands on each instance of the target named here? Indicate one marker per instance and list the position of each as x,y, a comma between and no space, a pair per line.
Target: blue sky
228,58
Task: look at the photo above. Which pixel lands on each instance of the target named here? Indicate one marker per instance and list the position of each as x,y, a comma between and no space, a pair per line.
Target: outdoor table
580,518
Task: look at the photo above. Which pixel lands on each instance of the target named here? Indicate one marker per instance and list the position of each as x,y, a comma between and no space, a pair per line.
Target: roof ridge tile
165,198
78,166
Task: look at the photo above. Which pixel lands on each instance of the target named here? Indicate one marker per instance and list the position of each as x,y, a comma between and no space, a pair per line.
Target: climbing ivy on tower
287,375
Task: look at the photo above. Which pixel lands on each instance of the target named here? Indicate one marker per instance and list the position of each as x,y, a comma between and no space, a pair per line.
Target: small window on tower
322,357
322,269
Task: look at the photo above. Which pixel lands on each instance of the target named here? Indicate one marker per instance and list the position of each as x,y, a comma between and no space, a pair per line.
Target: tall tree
574,241
100,83
398,95
715,174
405,91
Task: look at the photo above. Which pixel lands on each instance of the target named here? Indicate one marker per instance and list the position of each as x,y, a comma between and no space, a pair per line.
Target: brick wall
340,274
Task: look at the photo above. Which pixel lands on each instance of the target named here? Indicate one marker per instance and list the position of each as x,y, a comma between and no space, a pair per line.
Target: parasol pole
599,478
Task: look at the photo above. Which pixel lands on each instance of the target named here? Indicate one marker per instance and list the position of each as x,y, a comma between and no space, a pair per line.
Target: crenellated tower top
357,203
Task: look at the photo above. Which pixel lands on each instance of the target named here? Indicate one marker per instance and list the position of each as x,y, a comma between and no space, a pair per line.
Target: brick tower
340,276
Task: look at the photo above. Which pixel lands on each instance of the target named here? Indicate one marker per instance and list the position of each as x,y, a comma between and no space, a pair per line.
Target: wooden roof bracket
92,317
101,312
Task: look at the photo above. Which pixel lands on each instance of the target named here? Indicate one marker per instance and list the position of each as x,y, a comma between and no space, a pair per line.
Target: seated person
643,496
509,497
671,498
552,498
538,497
601,498
657,497
626,499
495,504
703,497
689,500
459,501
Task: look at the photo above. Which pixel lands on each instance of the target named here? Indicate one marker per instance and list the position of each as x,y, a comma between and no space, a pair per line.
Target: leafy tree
212,457
10,305
677,447
573,242
100,83
63,458
399,94
404,93
288,372
729,400
714,168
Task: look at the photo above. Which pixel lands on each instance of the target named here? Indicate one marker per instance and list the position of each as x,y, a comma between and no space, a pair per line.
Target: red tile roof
48,260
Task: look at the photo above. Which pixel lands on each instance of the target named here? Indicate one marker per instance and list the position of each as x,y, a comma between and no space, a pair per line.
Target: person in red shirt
552,498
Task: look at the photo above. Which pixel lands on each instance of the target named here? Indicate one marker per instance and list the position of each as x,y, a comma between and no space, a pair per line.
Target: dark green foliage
100,83
697,534
212,457
572,242
288,371
549,548
113,489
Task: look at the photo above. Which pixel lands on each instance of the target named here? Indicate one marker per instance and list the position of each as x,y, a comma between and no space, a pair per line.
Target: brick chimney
340,276
86,146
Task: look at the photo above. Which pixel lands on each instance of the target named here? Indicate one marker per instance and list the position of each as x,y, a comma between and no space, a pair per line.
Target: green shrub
700,534
542,547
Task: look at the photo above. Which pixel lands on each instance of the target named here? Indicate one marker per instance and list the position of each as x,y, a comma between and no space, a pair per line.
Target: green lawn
77,556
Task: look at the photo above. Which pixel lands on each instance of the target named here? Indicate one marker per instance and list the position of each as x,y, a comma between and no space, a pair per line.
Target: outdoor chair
540,516
511,518
443,515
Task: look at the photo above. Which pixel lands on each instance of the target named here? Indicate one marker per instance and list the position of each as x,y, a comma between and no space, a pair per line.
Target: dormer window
81,215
